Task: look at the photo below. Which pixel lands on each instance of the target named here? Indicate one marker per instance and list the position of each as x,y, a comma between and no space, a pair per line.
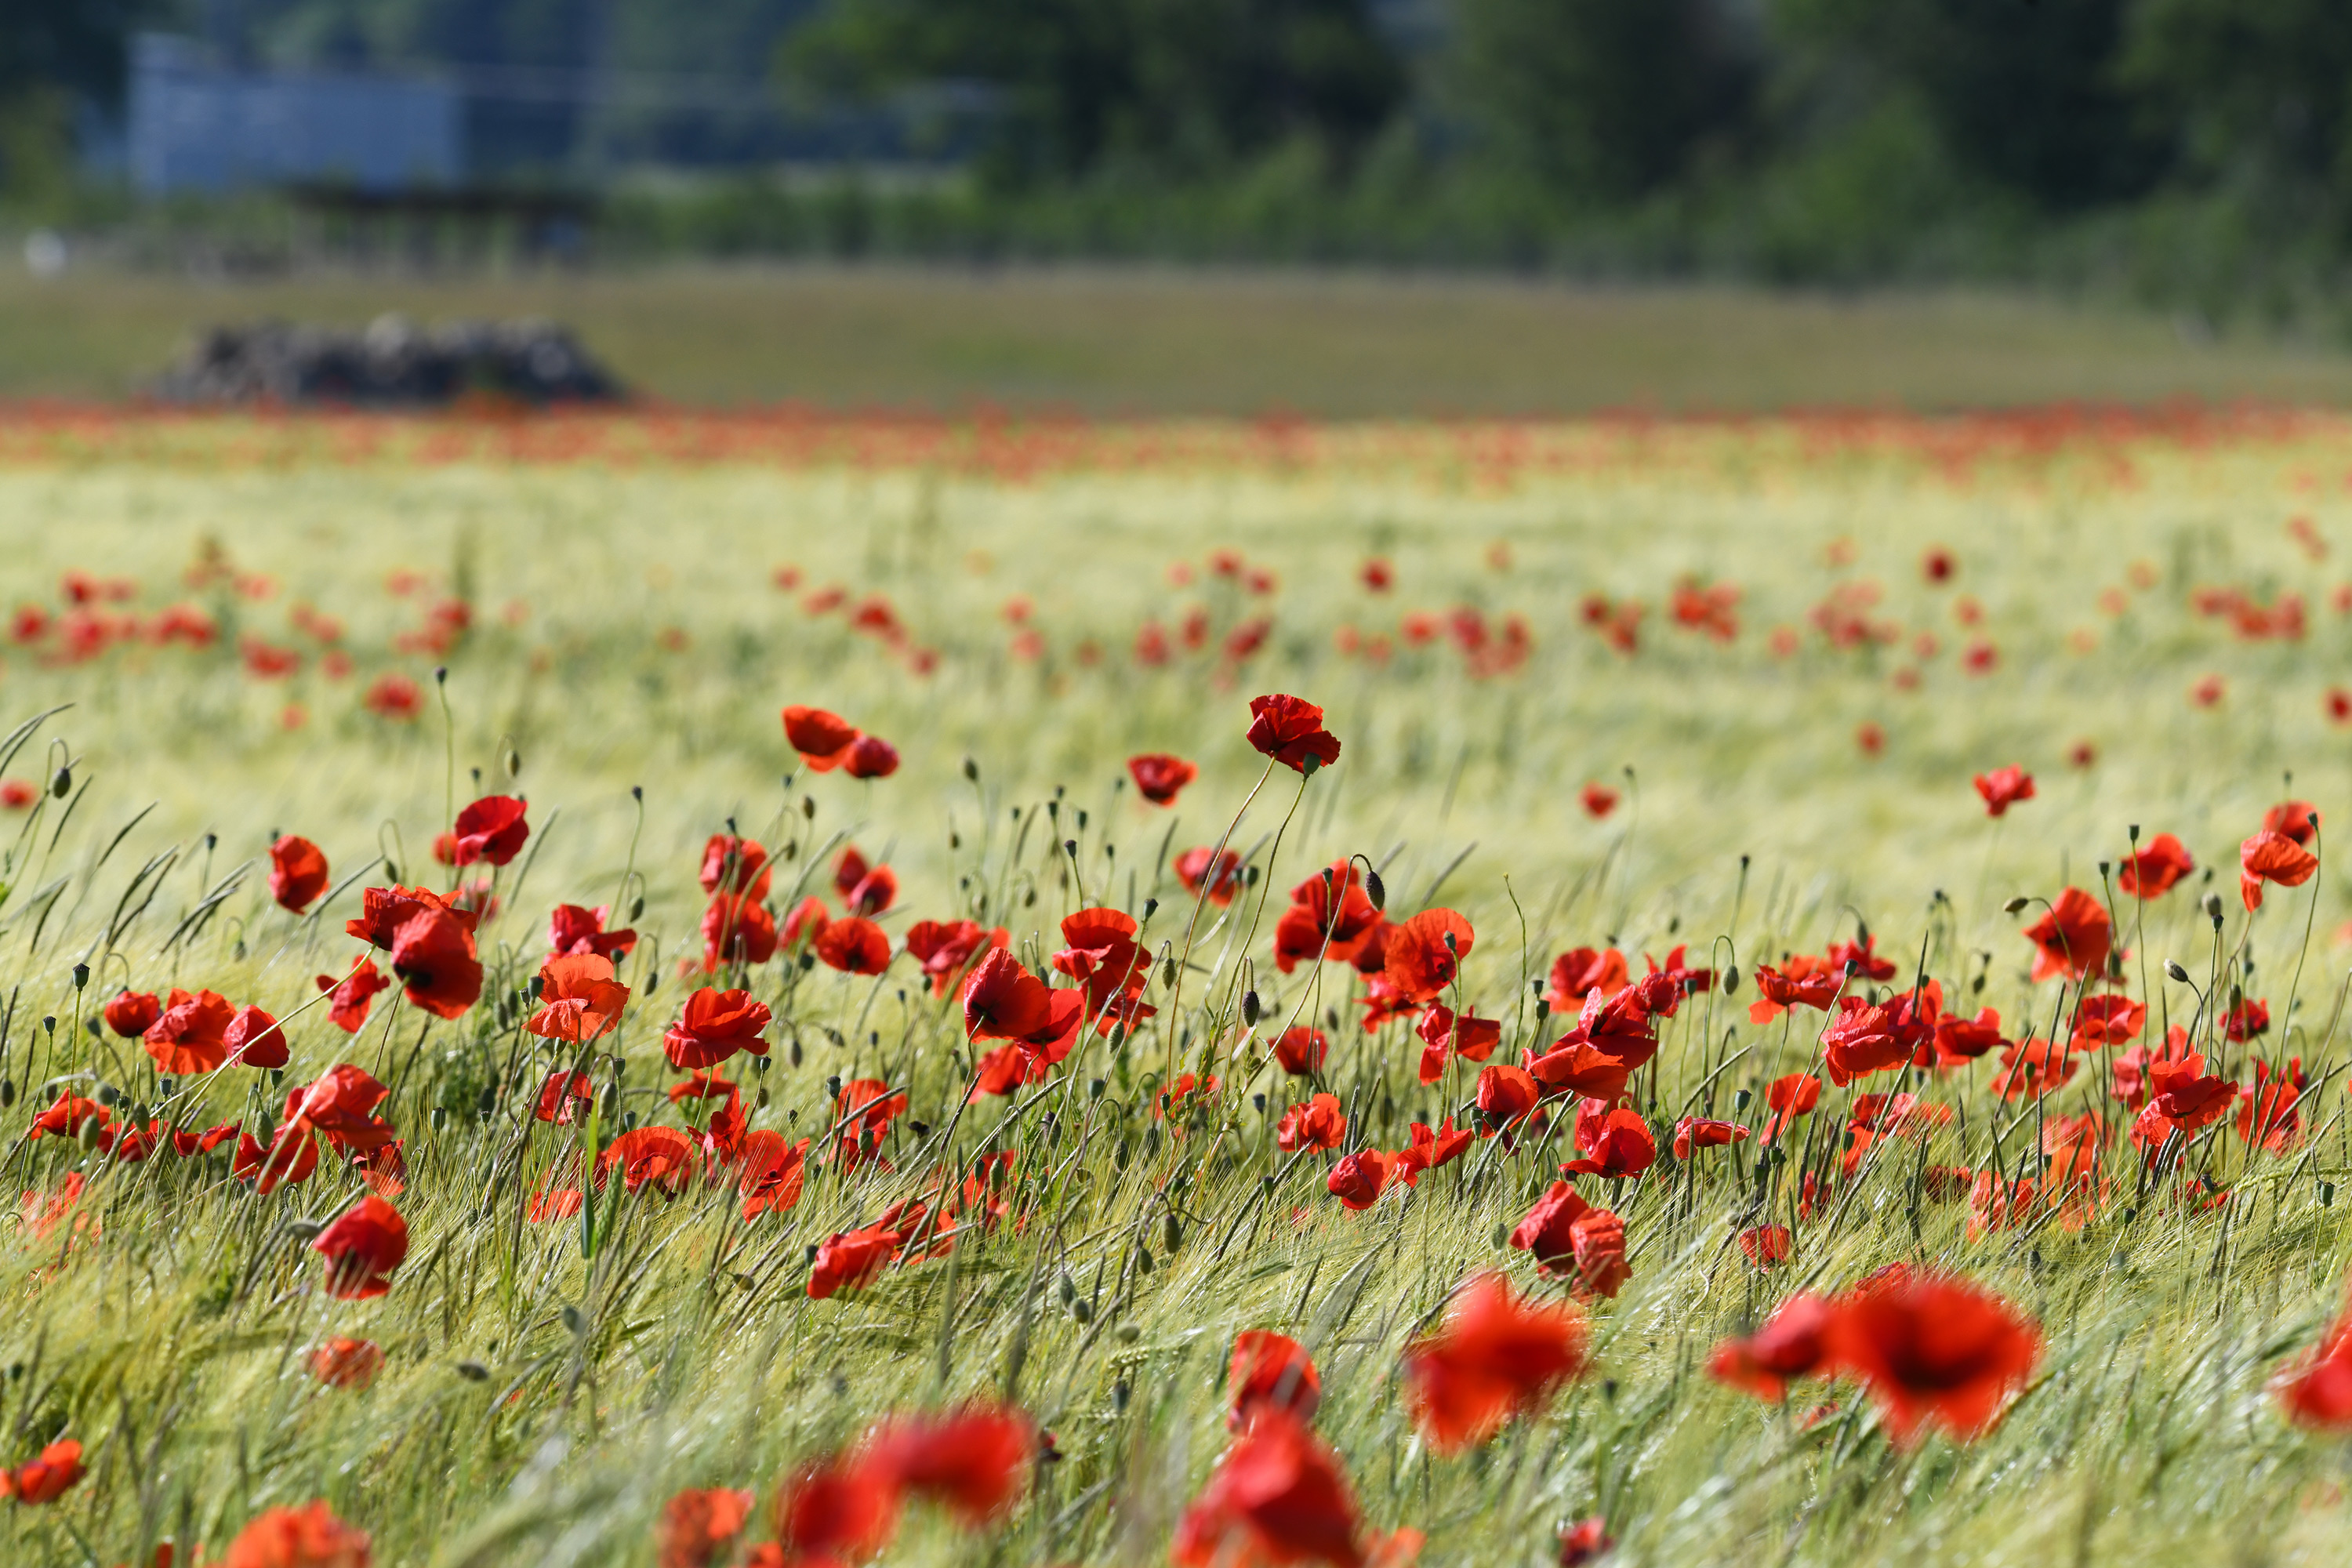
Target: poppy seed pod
49,1023
2178,974
2212,902
87,1135
80,975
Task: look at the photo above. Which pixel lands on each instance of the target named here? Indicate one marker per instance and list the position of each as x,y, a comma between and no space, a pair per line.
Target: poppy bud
1452,946
1731,980
1118,1037
7,1092
1502,1236
108,1094
1094,1087
90,1023
1249,1009
572,1321
1128,1333
1082,1309
2213,905
80,975
1173,1235
1067,1288
795,1052
1376,890
1249,876
167,1086
1258,1100
808,807
610,1101
391,870
971,769
2326,1194
440,1117
473,1372
832,1086
2016,905
637,907
1741,1099
87,1135
486,1102
49,1023
1143,1260
512,762
62,786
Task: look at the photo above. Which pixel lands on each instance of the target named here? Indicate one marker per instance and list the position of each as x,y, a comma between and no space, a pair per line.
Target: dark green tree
1175,86
2259,90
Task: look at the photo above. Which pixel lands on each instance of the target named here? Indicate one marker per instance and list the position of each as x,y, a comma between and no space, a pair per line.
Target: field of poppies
782,989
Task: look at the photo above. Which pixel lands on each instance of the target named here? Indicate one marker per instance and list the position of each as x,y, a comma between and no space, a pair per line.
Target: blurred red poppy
695,1529
1429,1149
2074,937
2154,872
864,889
851,1260
821,739
2004,787
773,1172
732,865
1290,730
1793,1342
1271,1371
384,910
1161,776
346,1363
1588,1541
661,1157
975,1461
1599,800
363,1248
2271,857
714,1025
1934,1350
870,757
1301,1051
1425,952
1805,981
351,997
2295,819
943,948
854,946
434,956
57,1471
1571,1238
1789,1098
1506,1093
2316,1389
1192,870
1102,955
1576,973
1277,1497
297,873
561,1095
1494,1357
1698,1132
131,1014
1766,1246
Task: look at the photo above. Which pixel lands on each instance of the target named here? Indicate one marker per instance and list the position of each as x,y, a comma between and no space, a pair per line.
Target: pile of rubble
393,363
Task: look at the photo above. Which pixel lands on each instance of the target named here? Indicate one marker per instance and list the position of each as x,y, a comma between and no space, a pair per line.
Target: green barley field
1715,689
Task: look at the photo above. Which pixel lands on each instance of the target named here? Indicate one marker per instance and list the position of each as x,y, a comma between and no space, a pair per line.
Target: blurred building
195,124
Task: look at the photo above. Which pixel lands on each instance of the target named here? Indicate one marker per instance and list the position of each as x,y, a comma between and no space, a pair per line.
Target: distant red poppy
2110,1020
864,889
1271,1371
1938,565
1576,973
1793,1342
254,1039
1003,1001
395,696
1698,1132
1493,1357
1290,730
1279,1496
1359,1179
1934,1350
561,1095
697,1528
821,739
1599,800
190,1036
1159,777
1587,1541
714,1025
1425,952
854,945
2296,820
1192,870
851,1260
975,1461
579,1000
1301,1051
739,931
1766,1246
943,949
297,873
346,1363
351,997
306,1537
491,830
363,1248
1377,574
1317,1124
434,956
57,1471
2154,872
2073,938
661,1157
131,1014
734,865
2271,856
870,757
2004,787
1807,982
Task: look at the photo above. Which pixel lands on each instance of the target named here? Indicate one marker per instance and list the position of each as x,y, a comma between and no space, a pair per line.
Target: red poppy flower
854,946
297,873
1301,1051
1934,1350
1766,1246
733,865
350,998
561,1095
1807,982
1575,975
1614,1143
738,931
1697,1132
714,1025
2271,857
1003,1001
870,757
46,1479
2295,819
384,910
1425,952
2074,937
579,1000
346,1363
1789,1098
821,739
1443,1034
1271,1371
2154,872
1859,958
1101,953
2112,1020
695,1528
306,1537
2269,1115
2033,1067
131,1013
2182,1099
254,1039
851,1260
433,956
190,1035
1571,1238
1290,730
1493,1358
1359,1179
1192,870
864,889
1277,1497
2317,1390
1159,777
663,1157
1599,800
871,1101
1793,1342
572,929
943,948
837,1513
1506,1093
2004,787
1172,1100
773,1172
363,1248
1317,1124
1429,1151
492,829
1862,1039
975,1462
292,1158
2248,1018
1588,1541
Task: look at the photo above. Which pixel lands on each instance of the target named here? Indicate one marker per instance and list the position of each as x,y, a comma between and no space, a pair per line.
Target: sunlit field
806,1105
